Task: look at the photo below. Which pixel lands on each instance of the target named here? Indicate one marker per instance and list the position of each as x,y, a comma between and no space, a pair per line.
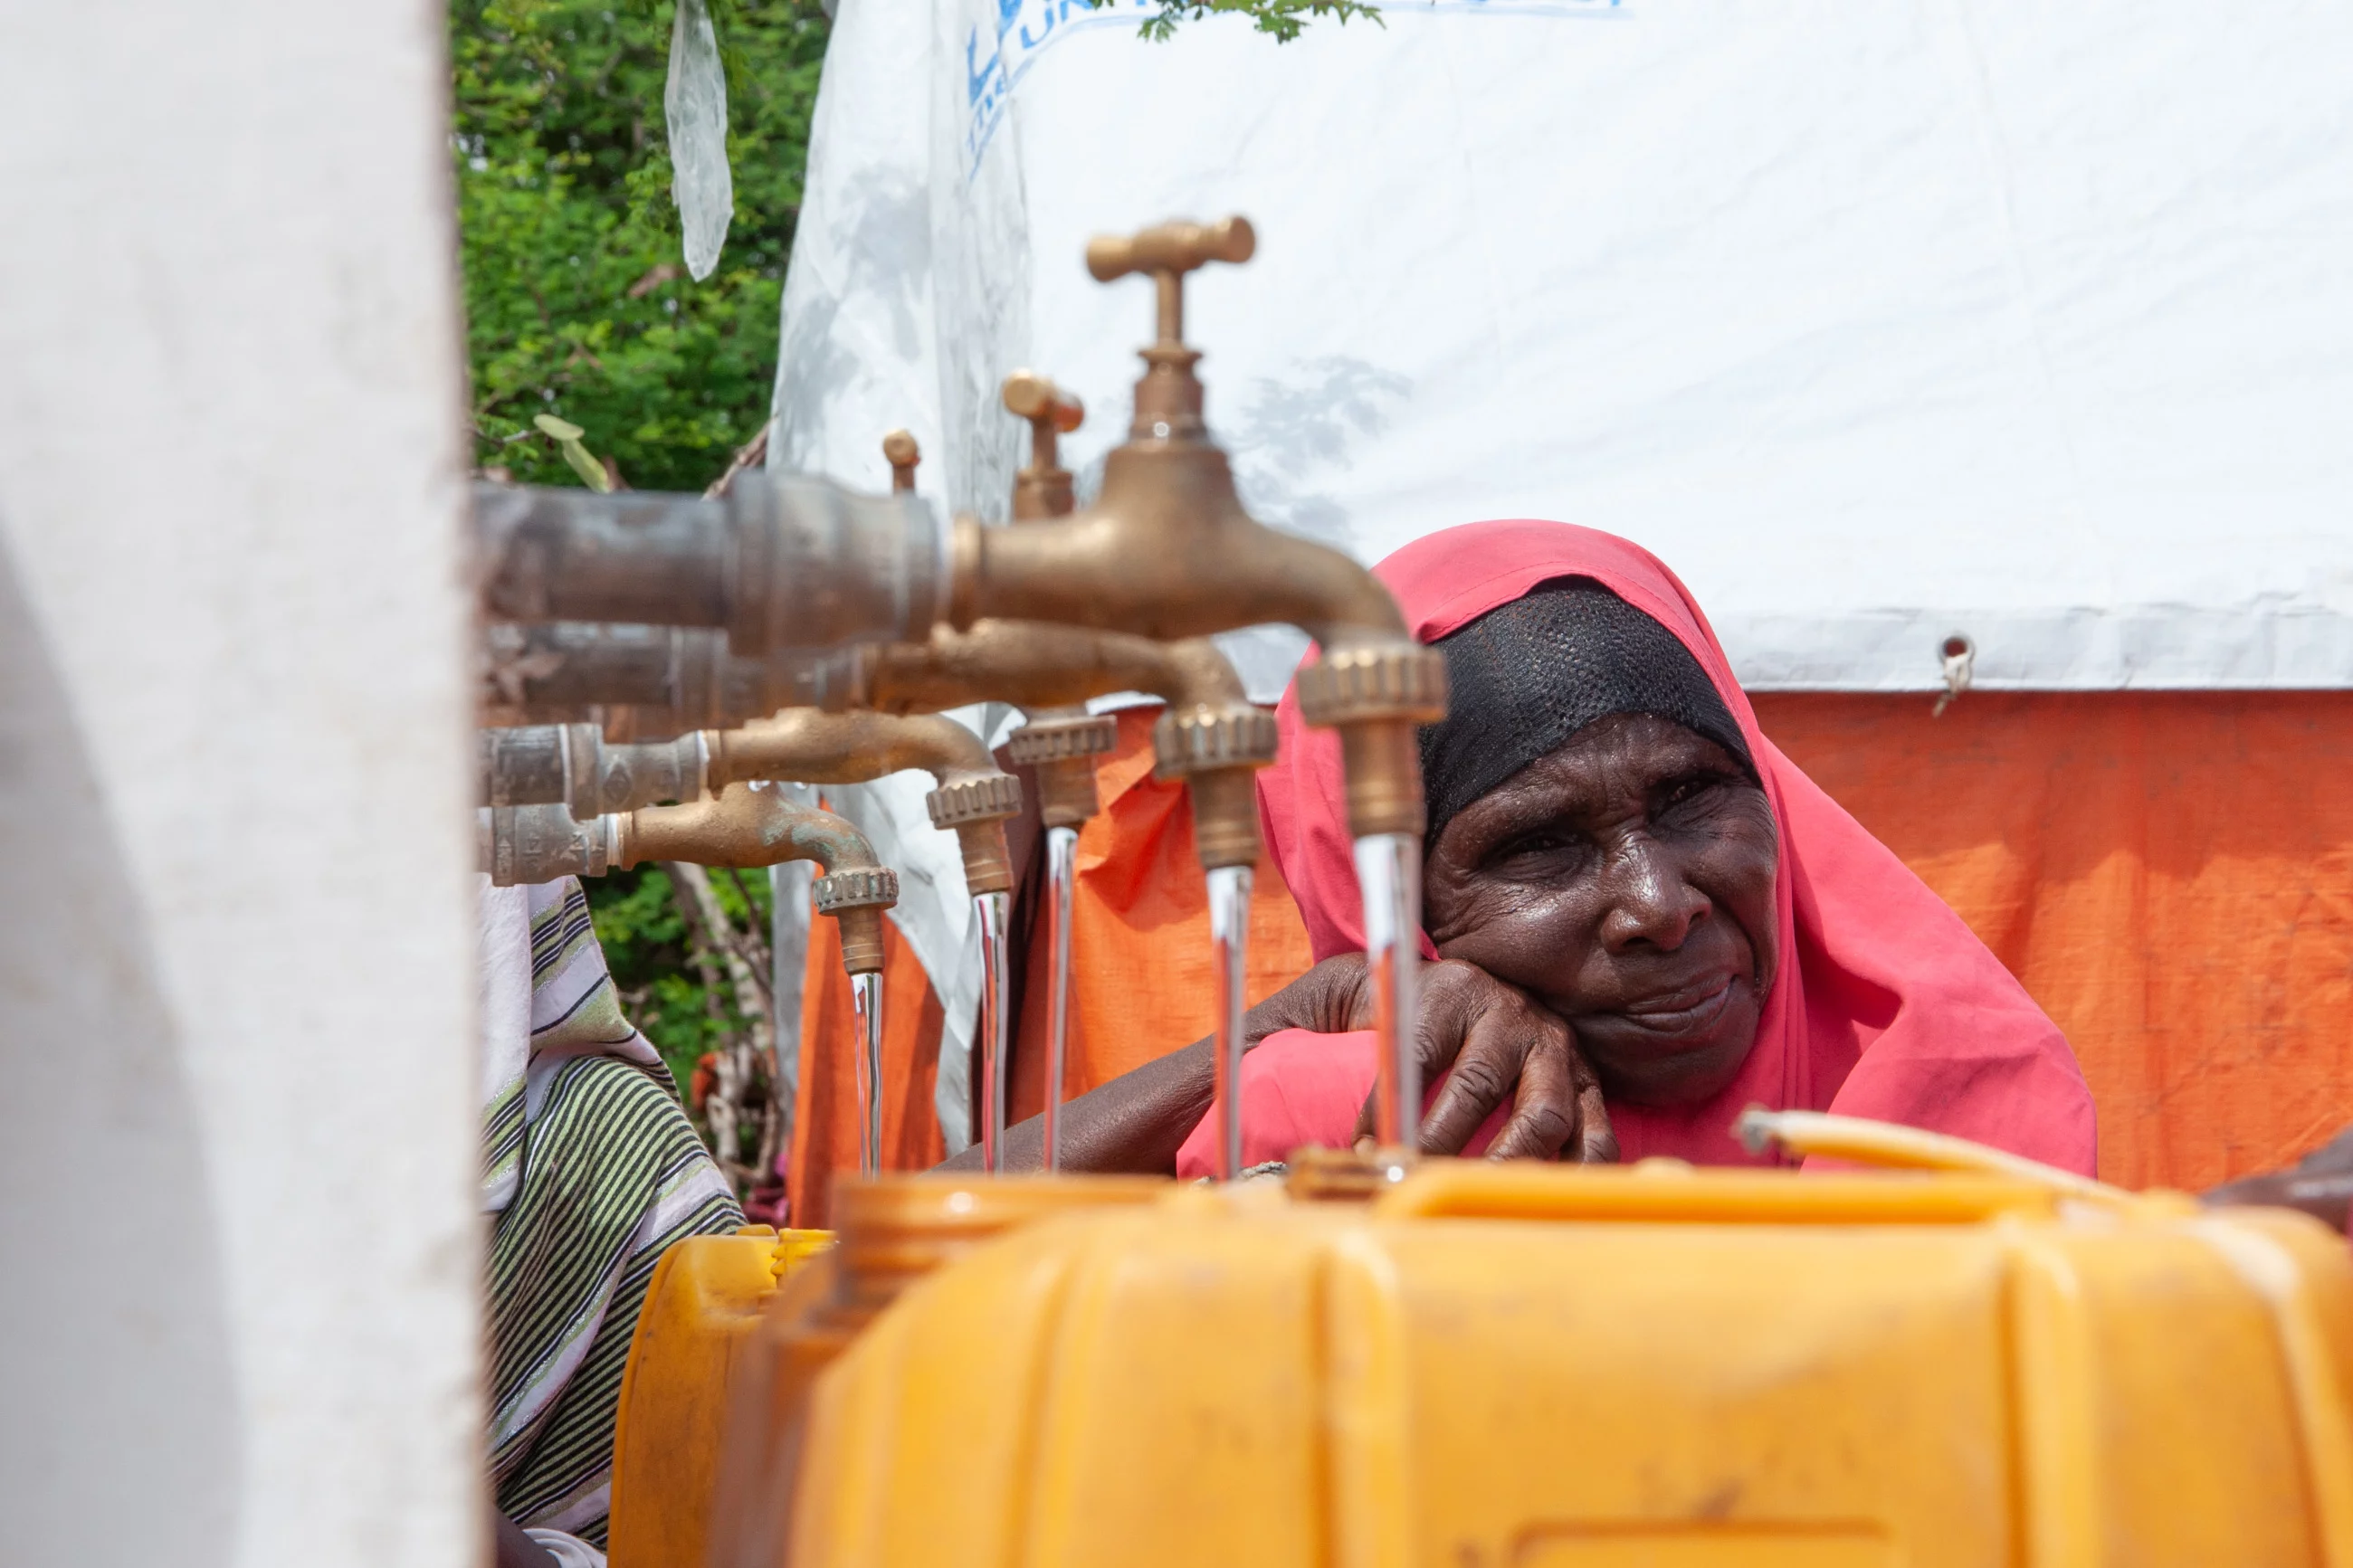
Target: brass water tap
1167,552
742,827
973,795
745,827
899,449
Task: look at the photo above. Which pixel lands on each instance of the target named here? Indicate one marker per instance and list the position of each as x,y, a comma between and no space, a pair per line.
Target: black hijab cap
1526,675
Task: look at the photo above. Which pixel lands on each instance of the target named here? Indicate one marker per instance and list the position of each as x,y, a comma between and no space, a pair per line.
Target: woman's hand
1501,1044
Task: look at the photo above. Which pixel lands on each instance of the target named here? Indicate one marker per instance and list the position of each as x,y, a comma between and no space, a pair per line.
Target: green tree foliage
577,303
1281,18
660,977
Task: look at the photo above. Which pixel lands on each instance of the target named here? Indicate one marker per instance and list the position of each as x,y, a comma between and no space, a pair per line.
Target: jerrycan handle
1979,1183
1890,1146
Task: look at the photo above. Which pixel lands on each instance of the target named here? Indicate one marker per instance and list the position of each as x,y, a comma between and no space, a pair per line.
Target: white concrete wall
237,1119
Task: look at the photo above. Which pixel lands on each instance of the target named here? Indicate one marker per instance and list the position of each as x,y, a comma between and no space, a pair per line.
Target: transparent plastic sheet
695,104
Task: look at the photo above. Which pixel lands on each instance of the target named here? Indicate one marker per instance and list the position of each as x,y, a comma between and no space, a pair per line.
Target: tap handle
900,450
1179,246
1044,404
1042,490
1168,252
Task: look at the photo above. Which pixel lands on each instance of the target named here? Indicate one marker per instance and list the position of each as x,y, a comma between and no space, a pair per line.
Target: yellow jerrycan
706,1295
761,1313
896,1231
1986,1365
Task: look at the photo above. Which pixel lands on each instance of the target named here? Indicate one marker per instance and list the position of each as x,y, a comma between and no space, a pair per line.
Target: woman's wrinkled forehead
1529,674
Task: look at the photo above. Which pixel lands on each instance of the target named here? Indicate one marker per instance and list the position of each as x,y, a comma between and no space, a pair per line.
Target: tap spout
743,827
973,795
747,827
1166,551
1033,664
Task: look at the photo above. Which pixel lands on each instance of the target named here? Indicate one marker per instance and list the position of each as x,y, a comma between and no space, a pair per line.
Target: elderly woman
1642,918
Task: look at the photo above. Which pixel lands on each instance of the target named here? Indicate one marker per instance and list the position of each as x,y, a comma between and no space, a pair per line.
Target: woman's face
1625,879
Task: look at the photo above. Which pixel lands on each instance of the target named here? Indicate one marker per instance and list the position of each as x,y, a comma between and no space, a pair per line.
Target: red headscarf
1885,1004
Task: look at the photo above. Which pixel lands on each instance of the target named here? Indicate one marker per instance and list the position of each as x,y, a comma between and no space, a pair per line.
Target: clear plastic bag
695,104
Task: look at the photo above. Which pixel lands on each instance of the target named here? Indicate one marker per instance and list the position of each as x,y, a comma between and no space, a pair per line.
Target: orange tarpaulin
1140,934
2170,873
825,1107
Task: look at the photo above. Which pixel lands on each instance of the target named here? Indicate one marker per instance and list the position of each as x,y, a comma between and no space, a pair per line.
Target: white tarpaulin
1880,320
1877,320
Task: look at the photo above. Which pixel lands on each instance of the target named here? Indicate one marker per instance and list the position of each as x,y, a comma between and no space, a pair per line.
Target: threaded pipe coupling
1053,739
856,888
518,844
1204,738
1384,680
988,798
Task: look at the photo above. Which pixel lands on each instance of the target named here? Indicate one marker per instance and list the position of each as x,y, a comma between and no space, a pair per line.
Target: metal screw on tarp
1959,656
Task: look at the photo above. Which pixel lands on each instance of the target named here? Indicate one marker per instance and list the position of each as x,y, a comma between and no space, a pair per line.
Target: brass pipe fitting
518,844
779,562
747,827
1167,552
572,764
973,795
668,680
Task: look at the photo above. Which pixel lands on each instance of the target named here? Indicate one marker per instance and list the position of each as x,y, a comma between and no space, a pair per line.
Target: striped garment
592,1169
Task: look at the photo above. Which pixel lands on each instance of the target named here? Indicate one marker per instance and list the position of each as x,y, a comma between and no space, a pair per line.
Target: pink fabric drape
1885,1005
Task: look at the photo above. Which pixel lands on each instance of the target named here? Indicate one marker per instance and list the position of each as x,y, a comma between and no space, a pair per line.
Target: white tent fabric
1880,320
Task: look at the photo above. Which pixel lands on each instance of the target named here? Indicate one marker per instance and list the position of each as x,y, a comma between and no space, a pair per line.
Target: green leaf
592,472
